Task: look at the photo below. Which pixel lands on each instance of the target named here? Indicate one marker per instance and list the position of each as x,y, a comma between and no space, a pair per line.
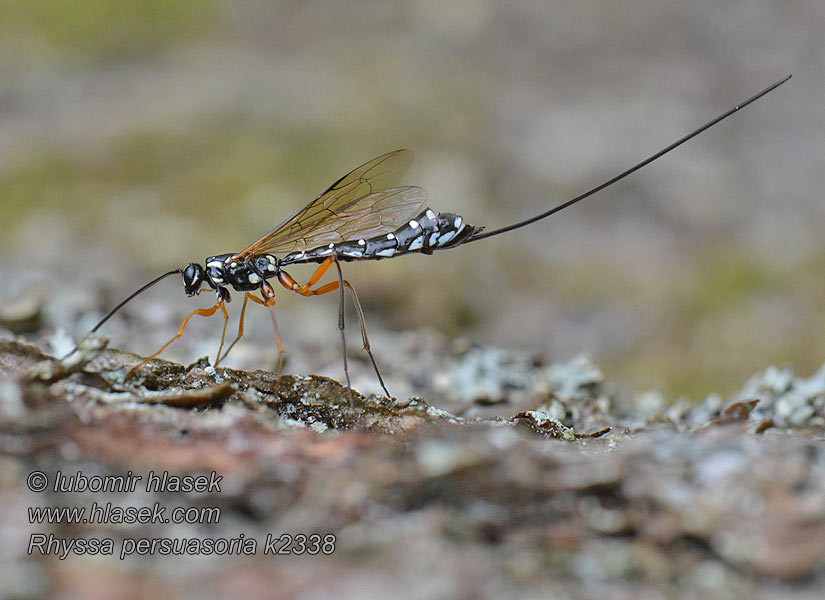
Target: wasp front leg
204,312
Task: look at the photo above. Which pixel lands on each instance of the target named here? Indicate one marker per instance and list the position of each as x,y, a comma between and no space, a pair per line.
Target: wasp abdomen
425,233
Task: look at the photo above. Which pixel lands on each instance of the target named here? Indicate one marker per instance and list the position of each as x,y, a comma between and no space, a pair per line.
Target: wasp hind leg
364,339
305,290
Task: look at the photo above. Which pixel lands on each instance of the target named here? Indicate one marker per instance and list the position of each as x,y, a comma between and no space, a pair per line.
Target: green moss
205,179
106,29
195,177
725,276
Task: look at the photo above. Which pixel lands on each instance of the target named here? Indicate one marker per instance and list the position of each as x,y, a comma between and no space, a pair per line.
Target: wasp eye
192,279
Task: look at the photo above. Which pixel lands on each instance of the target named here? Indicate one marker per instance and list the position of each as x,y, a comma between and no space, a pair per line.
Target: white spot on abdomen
446,237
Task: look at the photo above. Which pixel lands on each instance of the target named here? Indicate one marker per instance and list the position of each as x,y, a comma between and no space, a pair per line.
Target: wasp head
192,278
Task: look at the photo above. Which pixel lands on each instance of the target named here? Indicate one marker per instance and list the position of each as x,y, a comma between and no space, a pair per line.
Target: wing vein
360,204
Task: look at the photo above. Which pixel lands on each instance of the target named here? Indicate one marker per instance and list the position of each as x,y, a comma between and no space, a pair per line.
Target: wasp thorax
192,278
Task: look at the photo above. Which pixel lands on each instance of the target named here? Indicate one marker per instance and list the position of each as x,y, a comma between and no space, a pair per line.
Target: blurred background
137,137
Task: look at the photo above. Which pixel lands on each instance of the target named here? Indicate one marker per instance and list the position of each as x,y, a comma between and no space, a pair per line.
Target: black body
425,233
363,200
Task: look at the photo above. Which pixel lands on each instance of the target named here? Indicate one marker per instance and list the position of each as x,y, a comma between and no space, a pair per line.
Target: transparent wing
361,196
372,215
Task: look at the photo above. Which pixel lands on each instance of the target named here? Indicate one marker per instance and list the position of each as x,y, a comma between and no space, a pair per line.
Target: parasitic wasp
362,216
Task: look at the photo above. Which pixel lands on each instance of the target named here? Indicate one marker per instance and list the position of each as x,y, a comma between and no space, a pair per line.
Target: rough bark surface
577,493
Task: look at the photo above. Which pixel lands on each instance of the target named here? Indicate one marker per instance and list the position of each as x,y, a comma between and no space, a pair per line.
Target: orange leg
269,301
223,333
288,282
240,328
204,312
364,339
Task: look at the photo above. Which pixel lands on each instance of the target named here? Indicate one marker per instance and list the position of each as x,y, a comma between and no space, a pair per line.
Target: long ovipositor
360,217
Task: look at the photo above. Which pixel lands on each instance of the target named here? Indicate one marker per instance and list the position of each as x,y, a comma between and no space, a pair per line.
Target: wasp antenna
634,168
126,301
